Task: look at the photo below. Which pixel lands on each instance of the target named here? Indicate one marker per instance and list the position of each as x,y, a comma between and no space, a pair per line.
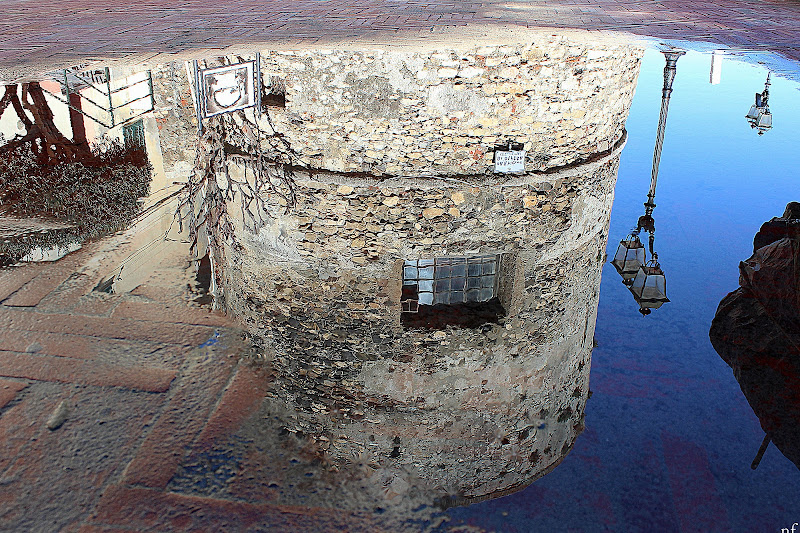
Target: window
458,291
133,134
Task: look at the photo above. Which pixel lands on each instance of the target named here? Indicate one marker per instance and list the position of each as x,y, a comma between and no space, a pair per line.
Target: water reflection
426,323
404,225
756,331
645,279
759,116
81,190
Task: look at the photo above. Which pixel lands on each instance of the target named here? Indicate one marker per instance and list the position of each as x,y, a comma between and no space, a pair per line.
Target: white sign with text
509,161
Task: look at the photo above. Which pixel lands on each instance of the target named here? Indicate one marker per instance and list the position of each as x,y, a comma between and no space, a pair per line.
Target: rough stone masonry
395,164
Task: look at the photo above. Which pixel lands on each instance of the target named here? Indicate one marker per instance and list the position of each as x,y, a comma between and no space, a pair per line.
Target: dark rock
787,225
756,331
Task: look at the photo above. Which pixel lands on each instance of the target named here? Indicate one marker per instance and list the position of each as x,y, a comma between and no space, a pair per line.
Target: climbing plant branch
236,161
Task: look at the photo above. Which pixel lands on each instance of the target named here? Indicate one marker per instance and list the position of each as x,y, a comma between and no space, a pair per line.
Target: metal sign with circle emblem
227,88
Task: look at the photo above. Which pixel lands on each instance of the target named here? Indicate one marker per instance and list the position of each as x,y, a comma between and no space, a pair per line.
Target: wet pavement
58,36
128,404
160,402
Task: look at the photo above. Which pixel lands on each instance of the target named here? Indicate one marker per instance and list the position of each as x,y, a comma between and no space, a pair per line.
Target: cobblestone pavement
38,34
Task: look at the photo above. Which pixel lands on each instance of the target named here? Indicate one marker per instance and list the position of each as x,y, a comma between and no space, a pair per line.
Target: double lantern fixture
644,278
759,116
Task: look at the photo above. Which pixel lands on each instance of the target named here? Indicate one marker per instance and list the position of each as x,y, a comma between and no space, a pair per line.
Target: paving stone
176,314
93,306
81,347
193,399
240,400
159,293
9,389
151,510
49,343
12,279
112,328
46,281
67,370
54,478
61,35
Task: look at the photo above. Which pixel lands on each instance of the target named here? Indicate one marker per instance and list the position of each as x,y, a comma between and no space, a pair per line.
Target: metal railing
74,82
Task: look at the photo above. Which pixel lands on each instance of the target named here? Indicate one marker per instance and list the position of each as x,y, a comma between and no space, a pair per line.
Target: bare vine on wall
236,161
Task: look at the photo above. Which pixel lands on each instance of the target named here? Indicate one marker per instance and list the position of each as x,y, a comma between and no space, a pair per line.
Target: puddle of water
49,254
398,387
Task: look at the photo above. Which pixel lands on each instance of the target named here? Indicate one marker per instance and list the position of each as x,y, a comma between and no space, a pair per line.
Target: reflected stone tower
424,314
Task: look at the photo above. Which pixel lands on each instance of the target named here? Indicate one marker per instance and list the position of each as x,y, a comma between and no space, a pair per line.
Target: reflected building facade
422,313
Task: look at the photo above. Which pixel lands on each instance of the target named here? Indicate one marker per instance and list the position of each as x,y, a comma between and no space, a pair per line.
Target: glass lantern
759,116
752,115
629,258
764,122
649,287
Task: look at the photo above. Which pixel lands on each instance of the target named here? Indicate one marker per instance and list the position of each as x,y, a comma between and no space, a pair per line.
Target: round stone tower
422,312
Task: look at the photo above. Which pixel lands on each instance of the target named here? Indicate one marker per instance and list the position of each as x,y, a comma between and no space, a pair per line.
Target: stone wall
390,113
176,119
394,164
320,292
418,114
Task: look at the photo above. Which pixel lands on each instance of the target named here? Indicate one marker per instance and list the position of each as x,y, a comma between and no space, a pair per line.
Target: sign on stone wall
509,161
227,88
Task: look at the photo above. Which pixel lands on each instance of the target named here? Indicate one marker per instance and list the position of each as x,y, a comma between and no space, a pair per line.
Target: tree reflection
44,174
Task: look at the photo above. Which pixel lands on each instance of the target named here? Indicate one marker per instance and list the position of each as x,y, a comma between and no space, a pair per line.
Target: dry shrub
96,193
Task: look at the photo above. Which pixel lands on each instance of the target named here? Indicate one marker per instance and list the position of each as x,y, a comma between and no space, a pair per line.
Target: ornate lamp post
759,116
646,280
672,57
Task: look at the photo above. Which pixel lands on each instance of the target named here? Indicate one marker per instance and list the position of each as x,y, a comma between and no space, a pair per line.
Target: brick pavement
149,382
39,35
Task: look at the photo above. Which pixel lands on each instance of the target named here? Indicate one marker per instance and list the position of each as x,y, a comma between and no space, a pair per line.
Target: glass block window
449,281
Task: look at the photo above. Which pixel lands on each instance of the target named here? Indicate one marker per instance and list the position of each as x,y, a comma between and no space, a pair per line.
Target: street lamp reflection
649,287
759,116
629,257
645,279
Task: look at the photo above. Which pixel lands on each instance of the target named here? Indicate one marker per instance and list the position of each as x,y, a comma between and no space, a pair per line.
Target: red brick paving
65,32
12,280
176,314
151,384
152,510
92,326
67,370
142,380
241,399
9,390
186,412
47,279
75,346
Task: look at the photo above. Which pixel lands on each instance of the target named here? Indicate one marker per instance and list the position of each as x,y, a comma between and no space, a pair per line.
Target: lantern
759,116
629,258
649,287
